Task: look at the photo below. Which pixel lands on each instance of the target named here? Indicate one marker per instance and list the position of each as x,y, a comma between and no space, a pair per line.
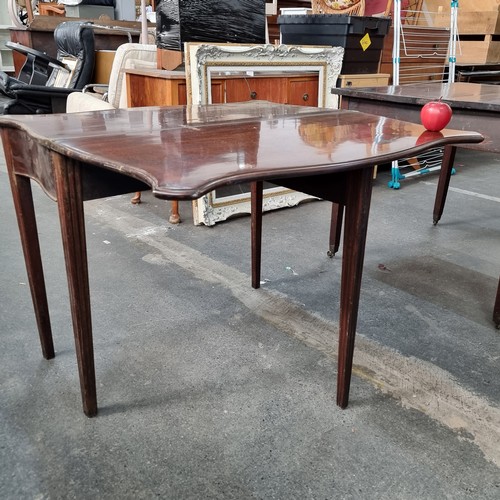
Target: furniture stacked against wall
40,35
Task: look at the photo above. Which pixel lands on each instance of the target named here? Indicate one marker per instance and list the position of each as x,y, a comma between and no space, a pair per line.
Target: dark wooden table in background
475,107
184,152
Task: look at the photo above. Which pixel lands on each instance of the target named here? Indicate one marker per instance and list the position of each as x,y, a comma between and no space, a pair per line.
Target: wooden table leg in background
496,309
444,182
25,212
71,216
357,208
335,229
256,197
175,217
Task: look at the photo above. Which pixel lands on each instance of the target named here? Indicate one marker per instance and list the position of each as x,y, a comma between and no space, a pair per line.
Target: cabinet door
246,89
217,91
303,91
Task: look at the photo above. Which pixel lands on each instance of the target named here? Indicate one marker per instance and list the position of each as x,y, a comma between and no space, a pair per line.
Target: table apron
330,187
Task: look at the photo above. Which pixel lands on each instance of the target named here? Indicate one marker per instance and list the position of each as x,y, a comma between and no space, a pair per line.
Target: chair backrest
75,40
128,56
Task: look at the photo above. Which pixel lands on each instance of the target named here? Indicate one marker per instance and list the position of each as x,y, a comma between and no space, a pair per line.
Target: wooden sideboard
156,87
159,87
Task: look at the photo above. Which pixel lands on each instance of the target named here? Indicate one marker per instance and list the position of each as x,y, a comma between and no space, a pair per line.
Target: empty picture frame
207,61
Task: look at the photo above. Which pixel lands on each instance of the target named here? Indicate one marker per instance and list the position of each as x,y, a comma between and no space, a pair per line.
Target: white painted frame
203,60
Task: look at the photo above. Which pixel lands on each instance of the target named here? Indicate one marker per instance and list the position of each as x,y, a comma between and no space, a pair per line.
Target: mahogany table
184,152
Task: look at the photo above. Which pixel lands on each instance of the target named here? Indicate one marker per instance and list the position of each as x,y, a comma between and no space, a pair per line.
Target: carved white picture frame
206,61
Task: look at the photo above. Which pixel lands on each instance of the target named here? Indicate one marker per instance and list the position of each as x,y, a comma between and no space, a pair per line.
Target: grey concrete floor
209,389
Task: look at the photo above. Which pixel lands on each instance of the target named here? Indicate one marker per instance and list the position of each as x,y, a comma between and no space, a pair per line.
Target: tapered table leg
357,209
256,193
496,309
444,182
25,212
335,229
70,204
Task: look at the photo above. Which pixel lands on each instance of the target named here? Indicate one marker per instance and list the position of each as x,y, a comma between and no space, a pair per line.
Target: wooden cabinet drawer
248,88
302,91
369,80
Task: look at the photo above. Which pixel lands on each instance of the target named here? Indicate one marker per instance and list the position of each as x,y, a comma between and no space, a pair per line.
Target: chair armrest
78,101
28,51
40,91
96,88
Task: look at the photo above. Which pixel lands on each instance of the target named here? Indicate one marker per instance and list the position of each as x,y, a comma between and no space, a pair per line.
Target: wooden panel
217,91
103,64
151,91
182,92
169,59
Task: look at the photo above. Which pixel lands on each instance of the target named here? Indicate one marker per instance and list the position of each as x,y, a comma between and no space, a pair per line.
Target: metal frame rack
413,43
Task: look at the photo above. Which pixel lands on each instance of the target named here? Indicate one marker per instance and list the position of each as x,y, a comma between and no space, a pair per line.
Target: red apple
435,115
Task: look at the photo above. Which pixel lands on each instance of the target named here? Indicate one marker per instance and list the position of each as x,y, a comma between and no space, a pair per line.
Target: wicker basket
325,7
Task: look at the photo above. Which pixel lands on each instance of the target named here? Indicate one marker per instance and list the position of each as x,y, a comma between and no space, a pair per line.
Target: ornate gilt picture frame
205,62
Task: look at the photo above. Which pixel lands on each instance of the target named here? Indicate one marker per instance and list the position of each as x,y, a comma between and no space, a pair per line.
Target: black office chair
44,83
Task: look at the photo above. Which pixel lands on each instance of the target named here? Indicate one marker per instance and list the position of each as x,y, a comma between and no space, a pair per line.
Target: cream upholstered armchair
114,95
95,97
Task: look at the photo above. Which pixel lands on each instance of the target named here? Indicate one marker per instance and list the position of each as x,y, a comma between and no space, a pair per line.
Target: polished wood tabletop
185,152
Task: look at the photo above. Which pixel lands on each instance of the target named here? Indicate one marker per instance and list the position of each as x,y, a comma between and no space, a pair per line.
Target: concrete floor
209,389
